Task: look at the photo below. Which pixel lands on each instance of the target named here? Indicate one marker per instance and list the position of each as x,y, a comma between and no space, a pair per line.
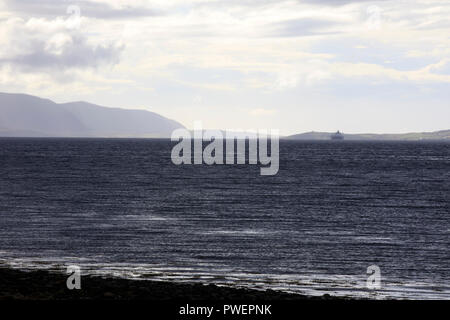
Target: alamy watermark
213,153
74,19
374,280
374,18
74,280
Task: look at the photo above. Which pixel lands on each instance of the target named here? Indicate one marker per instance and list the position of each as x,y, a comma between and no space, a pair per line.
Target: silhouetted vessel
337,136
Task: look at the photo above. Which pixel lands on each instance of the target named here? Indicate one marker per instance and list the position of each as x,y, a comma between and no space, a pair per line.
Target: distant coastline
29,116
443,135
26,116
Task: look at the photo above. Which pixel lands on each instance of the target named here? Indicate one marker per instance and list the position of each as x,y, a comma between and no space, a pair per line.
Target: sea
335,211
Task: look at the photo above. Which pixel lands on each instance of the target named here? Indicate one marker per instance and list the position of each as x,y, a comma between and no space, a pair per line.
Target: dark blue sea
120,207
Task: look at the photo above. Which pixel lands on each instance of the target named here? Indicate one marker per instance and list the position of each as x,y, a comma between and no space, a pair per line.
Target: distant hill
23,115
413,136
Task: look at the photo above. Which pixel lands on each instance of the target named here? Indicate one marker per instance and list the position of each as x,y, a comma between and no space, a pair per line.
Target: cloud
39,44
367,71
304,27
94,9
338,2
442,67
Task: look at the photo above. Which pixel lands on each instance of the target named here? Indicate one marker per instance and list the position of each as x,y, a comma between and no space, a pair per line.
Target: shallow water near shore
119,207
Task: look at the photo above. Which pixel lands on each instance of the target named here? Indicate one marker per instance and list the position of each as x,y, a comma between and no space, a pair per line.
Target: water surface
120,207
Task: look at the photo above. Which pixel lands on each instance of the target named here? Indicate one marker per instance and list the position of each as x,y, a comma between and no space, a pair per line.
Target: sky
296,66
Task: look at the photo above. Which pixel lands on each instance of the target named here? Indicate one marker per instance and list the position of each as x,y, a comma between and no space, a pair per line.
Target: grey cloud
88,8
339,2
76,54
442,67
259,3
302,27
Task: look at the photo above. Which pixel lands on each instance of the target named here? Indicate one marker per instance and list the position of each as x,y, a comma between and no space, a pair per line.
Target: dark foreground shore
44,285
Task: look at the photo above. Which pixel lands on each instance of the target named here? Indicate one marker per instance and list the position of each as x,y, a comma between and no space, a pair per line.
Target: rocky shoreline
45,285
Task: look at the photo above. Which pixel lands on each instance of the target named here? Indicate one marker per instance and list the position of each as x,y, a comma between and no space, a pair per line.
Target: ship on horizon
337,136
